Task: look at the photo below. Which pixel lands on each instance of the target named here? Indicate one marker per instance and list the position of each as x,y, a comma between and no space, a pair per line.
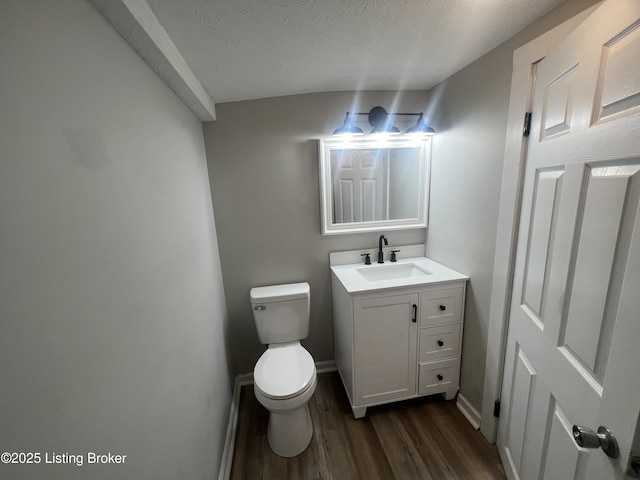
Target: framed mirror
368,185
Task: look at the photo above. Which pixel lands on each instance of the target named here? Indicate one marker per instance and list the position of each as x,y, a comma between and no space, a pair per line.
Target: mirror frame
327,145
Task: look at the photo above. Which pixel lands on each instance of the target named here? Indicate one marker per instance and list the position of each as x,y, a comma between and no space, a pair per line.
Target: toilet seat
284,371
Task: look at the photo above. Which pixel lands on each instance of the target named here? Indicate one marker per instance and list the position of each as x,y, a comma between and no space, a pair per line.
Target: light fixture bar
390,114
379,120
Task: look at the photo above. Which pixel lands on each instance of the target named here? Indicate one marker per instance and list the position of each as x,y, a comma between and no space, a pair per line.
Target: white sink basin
406,272
391,272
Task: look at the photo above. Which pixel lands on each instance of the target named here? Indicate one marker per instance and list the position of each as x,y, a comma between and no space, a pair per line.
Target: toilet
285,375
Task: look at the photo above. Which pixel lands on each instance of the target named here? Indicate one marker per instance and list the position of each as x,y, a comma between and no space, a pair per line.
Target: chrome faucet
380,257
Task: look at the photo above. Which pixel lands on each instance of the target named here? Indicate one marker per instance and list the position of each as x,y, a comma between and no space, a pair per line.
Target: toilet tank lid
280,293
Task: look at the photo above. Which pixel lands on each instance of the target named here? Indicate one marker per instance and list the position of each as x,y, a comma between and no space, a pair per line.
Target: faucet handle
393,255
367,260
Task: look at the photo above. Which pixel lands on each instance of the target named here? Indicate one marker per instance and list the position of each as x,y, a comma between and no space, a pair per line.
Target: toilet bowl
285,375
284,381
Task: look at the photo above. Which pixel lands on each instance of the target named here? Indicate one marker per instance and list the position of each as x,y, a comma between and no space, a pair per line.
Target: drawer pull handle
415,313
440,377
440,343
442,308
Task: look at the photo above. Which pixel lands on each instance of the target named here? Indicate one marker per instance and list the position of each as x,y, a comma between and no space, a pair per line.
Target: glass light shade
348,127
421,128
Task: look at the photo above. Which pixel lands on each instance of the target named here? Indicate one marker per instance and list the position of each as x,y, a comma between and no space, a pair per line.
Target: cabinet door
385,344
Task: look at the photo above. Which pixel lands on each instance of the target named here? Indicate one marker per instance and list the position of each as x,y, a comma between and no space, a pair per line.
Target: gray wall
263,167
111,302
470,116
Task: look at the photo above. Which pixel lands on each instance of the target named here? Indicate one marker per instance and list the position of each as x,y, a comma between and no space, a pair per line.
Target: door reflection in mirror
369,185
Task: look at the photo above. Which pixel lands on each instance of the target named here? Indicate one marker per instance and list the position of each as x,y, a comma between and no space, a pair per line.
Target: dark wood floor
425,438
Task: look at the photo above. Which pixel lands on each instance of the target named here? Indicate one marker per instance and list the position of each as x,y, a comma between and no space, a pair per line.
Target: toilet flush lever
260,307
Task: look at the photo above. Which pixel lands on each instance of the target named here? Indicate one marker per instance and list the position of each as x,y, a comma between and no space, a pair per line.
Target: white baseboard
244,379
241,380
468,411
326,366
230,439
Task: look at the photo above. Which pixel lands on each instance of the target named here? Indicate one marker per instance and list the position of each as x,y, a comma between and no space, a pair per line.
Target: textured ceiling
246,49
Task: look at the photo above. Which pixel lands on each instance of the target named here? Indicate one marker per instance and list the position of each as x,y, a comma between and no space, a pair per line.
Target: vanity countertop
407,272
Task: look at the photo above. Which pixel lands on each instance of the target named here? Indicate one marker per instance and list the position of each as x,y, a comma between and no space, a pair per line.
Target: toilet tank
281,312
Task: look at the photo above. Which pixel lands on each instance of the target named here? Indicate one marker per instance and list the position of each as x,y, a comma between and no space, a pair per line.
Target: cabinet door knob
443,308
440,377
440,343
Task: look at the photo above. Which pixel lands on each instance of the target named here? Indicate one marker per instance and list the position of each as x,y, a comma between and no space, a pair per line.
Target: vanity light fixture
421,127
380,120
348,127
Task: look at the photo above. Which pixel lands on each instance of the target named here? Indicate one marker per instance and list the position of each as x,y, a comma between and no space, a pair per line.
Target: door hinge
496,409
527,124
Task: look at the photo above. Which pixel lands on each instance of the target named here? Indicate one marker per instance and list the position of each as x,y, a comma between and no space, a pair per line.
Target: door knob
587,438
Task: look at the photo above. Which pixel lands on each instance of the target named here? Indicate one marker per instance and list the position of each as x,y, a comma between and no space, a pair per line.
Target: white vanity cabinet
399,343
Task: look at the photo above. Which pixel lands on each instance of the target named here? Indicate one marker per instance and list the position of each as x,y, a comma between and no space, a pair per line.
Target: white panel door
573,348
360,185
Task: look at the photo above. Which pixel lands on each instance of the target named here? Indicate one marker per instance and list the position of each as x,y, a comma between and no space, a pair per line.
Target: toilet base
290,428
289,434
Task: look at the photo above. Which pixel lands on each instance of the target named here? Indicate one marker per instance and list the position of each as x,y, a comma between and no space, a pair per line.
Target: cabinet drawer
436,377
440,307
439,342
